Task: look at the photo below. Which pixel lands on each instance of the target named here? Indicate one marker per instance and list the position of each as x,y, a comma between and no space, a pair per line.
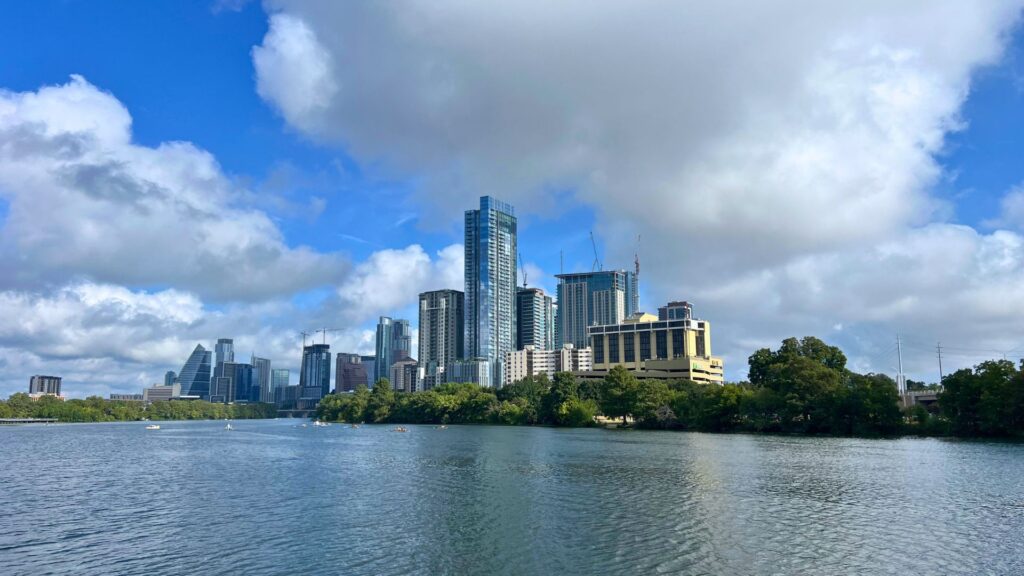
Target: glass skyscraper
490,278
262,375
195,374
593,298
315,375
394,343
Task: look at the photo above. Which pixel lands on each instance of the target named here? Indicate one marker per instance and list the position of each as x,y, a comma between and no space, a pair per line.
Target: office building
370,363
383,349
44,385
287,397
279,378
676,311
170,378
160,393
194,376
245,382
225,350
490,283
314,375
349,372
533,361
401,340
593,298
535,321
405,376
654,348
476,370
442,335
222,388
262,379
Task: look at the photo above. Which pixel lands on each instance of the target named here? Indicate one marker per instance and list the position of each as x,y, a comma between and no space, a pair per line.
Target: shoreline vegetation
802,388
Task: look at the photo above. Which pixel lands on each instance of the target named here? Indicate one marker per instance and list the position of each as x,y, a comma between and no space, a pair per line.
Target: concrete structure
262,379
442,335
314,375
194,376
128,397
160,393
535,319
593,298
349,372
40,385
532,361
477,370
170,378
405,376
490,280
660,348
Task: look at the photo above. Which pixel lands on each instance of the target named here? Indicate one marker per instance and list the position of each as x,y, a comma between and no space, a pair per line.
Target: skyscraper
315,375
383,348
349,372
278,380
401,339
535,322
262,375
169,378
194,376
370,362
593,298
225,350
441,334
490,277
224,353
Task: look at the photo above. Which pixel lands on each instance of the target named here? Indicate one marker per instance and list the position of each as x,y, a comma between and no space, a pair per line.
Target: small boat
400,429
229,426
153,427
302,426
320,423
441,427
355,426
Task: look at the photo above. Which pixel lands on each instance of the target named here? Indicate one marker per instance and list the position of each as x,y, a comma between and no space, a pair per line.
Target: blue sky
408,126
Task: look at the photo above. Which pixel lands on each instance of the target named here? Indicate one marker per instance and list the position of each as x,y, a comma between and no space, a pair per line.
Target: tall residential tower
441,334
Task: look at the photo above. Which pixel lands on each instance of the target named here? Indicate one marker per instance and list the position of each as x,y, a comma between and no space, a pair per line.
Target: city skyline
153,216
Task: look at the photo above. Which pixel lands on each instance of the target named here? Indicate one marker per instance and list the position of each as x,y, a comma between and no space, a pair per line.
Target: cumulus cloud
84,201
778,159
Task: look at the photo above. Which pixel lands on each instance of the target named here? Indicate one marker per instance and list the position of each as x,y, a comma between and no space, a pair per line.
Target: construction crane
636,256
596,267
325,331
522,269
304,335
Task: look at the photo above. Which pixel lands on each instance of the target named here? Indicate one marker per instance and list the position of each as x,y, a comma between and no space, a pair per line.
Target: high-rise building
263,383
401,339
170,377
370,363
279,378
535,320
44,385
244,378
533,361
224,354
593,298
405,376
315,375
441,334
475,370
653,348
225,350
490,280
194,376
349,372
384,343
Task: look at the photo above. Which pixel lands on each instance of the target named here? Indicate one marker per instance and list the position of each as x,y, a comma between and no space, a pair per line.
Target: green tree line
96,409
803,387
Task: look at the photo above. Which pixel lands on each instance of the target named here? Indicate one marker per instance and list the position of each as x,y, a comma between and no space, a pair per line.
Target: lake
271,497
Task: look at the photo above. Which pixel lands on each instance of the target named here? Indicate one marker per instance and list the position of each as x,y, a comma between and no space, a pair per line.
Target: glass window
661,341
645,346
613,349
677,343
599,350
627,343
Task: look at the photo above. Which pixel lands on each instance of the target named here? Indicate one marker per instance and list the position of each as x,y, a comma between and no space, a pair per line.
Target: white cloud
84,201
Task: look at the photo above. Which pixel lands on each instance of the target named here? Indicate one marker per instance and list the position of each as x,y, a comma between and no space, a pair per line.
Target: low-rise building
657,348
160,393
475,370
126,397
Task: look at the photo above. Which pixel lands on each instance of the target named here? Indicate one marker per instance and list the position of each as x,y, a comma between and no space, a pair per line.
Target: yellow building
651,347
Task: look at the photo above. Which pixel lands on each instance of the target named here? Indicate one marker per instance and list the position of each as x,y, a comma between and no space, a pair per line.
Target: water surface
274,498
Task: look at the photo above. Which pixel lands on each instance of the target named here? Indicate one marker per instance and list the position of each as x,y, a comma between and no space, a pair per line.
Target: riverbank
100,410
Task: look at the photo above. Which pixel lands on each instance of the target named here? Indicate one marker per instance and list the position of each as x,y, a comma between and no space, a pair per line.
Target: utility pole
901,381
938,348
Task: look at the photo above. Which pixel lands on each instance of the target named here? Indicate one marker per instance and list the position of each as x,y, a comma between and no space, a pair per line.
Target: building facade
126,397
442,334
349,372
314,375
262,379
370,363
44,385
170,378
161,393
593,298
279,378
194,376
490,280
383,351
535,319
476,370
533,361
405,376
655,348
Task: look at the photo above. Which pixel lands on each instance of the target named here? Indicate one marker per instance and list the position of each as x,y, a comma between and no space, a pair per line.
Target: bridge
6,421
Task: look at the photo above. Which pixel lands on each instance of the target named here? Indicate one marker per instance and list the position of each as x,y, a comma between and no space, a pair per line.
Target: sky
176,172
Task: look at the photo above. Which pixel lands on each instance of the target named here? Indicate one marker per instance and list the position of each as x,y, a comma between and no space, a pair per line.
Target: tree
564,388
381,400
